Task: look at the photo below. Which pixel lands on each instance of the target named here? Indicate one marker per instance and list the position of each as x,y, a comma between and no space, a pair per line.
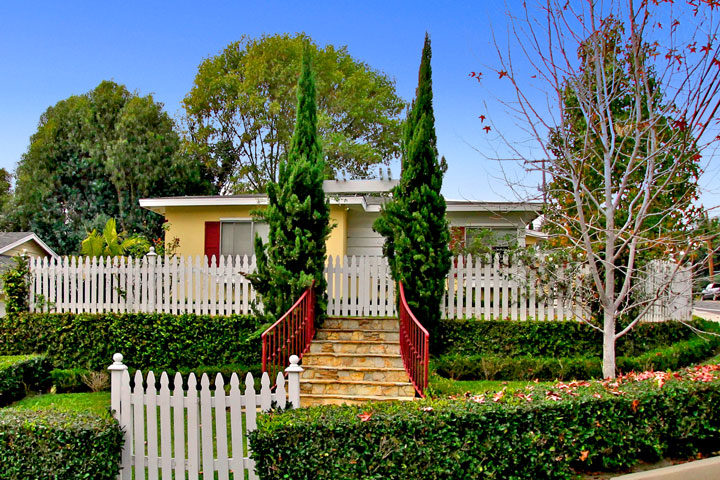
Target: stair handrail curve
414,346
290,335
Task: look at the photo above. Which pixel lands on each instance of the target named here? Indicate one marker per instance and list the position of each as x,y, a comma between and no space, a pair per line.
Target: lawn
98,403
441,387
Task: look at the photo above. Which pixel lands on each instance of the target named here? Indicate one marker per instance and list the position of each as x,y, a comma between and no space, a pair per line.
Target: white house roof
366,193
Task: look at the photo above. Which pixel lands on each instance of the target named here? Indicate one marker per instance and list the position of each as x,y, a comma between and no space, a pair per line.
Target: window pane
236,238
262,229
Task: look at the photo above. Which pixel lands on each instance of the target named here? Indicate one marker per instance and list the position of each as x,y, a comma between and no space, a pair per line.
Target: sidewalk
707,469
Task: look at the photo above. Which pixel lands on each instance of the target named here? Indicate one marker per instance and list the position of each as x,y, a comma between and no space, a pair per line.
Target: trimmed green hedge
58,445
21,372
146,340
504,338
490,367
523,435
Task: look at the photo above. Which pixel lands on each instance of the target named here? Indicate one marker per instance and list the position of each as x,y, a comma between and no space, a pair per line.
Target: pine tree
413,222
297,214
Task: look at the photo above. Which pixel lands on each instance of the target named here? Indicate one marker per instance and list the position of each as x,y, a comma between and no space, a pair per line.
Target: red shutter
212,240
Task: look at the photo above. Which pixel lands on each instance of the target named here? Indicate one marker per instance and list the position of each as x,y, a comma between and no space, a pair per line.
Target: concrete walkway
707,469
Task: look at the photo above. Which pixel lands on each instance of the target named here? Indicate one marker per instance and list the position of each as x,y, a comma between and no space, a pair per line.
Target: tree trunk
608,366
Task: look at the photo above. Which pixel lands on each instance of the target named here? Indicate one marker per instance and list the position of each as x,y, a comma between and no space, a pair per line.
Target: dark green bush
16,286
21,373
57,445
147,340
491,367
506,338
519,437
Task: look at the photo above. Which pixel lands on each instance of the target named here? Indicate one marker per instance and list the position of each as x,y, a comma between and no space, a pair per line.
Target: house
223,224
21,243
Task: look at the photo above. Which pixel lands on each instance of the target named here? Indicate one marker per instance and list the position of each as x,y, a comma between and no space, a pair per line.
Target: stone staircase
355,360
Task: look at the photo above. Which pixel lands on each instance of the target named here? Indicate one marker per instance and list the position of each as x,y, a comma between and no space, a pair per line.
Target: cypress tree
413,222
297,214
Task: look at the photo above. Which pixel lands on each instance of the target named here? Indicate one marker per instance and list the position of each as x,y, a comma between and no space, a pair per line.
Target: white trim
30,236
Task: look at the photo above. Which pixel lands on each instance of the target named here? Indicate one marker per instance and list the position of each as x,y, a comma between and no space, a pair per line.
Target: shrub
20,373
58,445
69,380
16,286
491,367
148,340
537,433
506,338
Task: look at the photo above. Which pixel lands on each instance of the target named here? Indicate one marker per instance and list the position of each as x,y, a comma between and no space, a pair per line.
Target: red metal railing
414,346
290,335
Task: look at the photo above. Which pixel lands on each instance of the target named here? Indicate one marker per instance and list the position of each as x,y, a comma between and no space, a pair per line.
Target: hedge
506,338
490,367
20,373
146,340
58,445
537,433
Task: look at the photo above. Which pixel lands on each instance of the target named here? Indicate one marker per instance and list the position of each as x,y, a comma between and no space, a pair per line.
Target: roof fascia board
30,236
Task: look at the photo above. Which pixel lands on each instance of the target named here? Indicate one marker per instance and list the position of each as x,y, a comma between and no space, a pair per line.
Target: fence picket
206,427
152,441
178,407
193,429
139,427
236,430
165,435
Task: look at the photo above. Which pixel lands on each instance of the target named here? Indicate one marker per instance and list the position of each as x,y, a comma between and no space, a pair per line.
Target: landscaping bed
541,431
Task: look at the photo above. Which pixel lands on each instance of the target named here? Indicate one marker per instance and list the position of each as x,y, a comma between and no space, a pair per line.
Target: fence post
116,371
293,373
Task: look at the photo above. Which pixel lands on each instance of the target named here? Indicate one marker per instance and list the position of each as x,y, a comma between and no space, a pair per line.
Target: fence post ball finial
117,358
294,359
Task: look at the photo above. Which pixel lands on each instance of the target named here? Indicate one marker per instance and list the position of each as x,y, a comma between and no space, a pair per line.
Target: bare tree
629,110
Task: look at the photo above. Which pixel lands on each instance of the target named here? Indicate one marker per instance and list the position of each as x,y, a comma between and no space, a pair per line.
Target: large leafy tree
241,111
297,214
413,223
92,157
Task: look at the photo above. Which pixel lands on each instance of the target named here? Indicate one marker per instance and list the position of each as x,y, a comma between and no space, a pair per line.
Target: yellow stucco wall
188,224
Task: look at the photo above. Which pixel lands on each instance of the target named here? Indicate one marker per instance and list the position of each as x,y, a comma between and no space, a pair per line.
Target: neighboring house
223,224
19,243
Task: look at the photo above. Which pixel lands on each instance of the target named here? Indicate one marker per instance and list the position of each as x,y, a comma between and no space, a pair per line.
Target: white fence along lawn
357,286
192,433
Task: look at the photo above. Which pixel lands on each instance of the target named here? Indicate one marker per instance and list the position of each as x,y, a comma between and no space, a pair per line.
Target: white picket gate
178,434
356,286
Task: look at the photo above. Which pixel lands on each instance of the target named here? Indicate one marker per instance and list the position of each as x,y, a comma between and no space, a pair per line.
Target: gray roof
8,238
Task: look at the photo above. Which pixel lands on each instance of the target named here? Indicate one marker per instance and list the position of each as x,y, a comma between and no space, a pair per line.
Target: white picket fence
178,434
357,286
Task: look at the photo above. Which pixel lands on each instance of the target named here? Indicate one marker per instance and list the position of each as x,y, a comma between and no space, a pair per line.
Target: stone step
376,360
362,323
362,388
364,374
357,334
310,399
354,346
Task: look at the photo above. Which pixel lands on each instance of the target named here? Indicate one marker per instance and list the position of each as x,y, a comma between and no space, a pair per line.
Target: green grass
97,403
7,360
441,387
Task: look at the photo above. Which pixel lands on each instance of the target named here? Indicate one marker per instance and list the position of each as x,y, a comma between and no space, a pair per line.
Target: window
238,237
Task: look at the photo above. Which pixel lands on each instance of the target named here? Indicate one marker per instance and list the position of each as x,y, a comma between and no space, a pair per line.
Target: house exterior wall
187,224
362,239
32,248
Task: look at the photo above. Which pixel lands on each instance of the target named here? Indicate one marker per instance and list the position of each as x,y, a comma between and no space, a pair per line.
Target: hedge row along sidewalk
58,445
19,373
535,433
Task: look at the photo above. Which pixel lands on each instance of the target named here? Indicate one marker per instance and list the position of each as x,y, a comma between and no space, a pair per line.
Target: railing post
293,374
116,370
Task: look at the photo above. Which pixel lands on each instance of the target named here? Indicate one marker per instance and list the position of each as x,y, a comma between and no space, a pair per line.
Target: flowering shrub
540,432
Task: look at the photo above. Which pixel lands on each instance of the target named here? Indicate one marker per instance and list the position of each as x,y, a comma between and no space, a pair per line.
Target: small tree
628,120
297,214
413,223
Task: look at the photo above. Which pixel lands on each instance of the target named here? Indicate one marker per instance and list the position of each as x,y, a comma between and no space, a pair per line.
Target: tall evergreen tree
297,214
413,222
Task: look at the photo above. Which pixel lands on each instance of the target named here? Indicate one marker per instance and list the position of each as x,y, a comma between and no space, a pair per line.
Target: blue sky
51,50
